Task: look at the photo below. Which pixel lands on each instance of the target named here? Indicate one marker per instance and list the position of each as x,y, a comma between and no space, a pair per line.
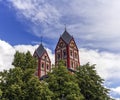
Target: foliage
0,92
20,83
91,83
63,84
24,61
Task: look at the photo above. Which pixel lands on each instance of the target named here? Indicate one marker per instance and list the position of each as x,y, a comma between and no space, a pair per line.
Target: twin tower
66,49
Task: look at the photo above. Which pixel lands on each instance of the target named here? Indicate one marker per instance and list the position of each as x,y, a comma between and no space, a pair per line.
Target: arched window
64,53
47,67
42,65
72,65
76,55
58,56
45,57
71,53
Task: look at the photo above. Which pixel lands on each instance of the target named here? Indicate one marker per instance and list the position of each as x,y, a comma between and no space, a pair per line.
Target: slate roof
66,37
71,70
43,77
40,50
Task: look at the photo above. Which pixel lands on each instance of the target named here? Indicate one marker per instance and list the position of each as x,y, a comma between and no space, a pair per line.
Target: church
66,50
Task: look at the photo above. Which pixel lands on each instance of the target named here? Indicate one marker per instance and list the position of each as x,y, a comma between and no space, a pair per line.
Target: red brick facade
43,60
67,50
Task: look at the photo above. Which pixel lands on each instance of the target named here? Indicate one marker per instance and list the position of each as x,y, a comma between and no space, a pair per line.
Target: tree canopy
24,60
63,84
20,82
91,84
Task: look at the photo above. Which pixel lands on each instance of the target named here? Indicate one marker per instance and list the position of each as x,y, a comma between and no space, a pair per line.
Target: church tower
43,61
67,50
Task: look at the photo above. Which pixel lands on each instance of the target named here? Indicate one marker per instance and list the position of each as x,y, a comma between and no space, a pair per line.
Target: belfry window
58,56
71,64
71,53
64,53
42,65
75,55
47,67
45,57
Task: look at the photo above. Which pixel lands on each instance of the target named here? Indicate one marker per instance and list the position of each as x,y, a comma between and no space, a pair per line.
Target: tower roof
40,50
66,37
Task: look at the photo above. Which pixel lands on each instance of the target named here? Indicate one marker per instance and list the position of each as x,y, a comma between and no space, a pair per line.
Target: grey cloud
97,21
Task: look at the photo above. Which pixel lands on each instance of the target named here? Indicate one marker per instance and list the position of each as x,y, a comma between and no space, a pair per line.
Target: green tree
63,84
24,61
0,93
20,83
91,83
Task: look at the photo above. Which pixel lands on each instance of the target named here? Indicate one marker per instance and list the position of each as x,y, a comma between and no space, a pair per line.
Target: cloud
95,22
51,55
25,48
99,24
106,62
8,51
116,92
6,55
37,11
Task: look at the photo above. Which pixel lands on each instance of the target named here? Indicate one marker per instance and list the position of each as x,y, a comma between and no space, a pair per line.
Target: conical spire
40,50
66,36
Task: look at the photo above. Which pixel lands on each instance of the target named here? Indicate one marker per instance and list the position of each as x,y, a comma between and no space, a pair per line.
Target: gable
72,44
61,43
39,51
45,57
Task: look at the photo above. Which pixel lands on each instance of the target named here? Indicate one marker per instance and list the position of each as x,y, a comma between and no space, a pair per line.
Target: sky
94,24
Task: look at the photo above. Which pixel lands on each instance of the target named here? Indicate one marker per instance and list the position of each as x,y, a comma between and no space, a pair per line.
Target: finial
41,39
65,27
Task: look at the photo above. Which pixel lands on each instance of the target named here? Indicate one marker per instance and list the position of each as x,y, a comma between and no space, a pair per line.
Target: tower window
71,64
47,67
64,53
58,56
71,53
75,55
42,65
61,44
45,57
